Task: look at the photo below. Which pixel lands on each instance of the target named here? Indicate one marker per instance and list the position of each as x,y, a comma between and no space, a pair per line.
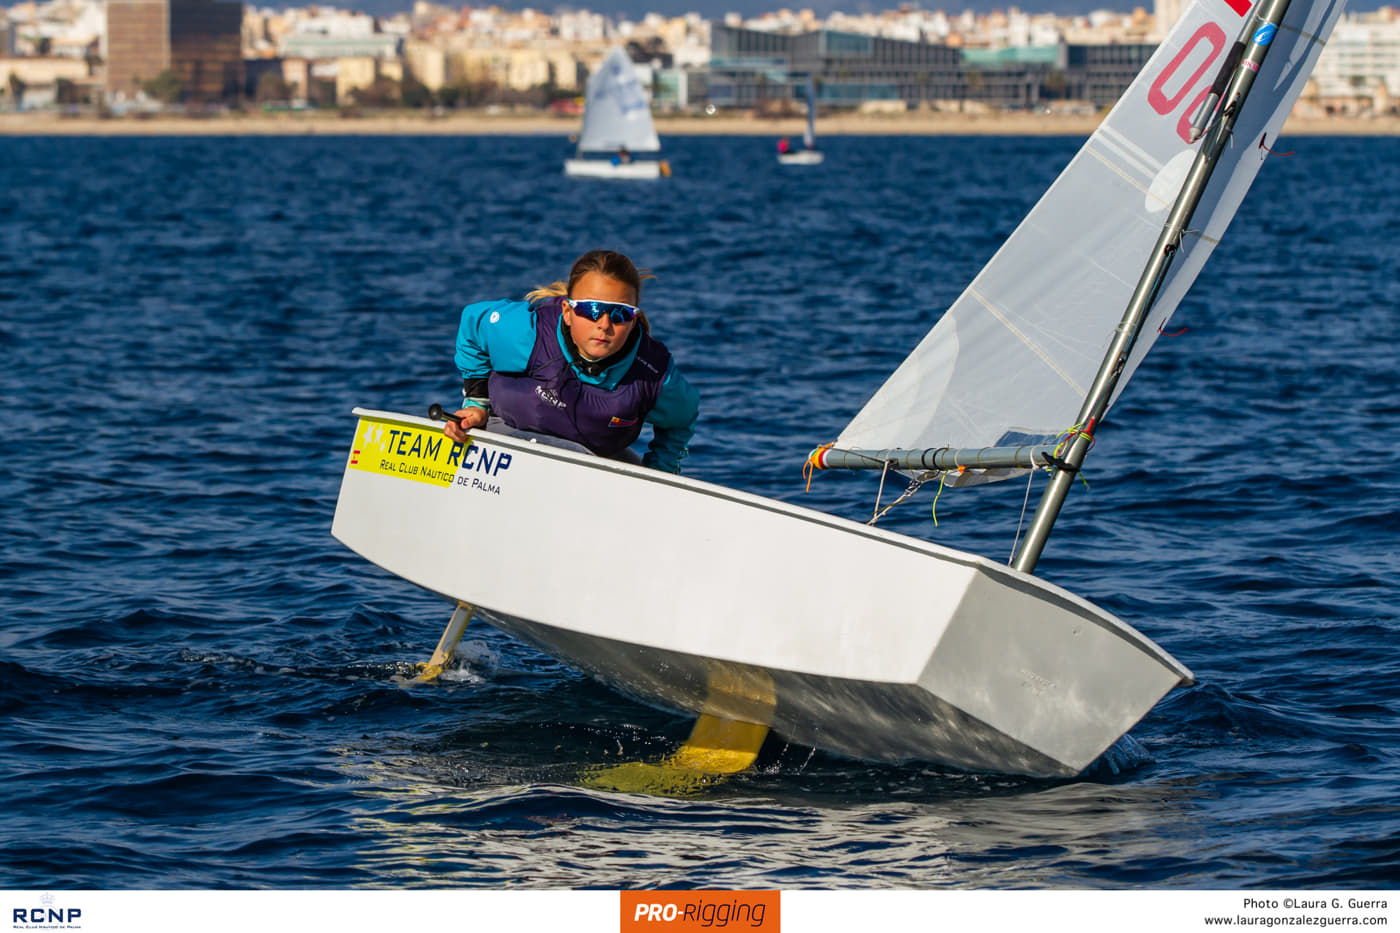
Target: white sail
616,112
809,154
1013,358
809,137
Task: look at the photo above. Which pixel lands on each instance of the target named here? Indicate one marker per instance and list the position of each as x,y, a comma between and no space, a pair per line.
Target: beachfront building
1166,13
1008,78
40,82
206,49
61,28
318,46
198,43
137,47
427,62
48,52
756,69
1358,71
680,89
327,56
517,69
1098,74
750,68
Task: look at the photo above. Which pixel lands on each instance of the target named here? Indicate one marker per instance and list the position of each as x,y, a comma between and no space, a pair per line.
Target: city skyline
717,9
636,10
125,53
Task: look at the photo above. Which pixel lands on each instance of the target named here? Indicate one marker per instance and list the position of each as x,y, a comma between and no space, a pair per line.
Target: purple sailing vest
550,398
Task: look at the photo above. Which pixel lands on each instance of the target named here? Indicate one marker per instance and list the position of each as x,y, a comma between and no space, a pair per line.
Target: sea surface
198,683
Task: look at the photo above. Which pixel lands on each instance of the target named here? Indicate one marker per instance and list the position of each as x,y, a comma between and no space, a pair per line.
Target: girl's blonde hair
603,261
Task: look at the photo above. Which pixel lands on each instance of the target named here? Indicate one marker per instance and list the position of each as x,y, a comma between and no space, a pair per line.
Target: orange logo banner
700,911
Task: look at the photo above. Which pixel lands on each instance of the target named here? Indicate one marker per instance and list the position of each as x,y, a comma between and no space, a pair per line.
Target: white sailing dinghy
616,119
841,635
809,154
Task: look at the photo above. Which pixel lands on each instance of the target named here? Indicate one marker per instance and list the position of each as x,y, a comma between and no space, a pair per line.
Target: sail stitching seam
1117,170
1129,152
1045,357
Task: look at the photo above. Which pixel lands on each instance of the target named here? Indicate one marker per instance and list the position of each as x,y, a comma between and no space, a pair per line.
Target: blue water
196,680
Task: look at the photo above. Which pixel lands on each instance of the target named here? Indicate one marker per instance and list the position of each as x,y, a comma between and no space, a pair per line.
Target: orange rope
814,463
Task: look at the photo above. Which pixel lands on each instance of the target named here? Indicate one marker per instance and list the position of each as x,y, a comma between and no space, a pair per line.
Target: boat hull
707,600
601,168
801,157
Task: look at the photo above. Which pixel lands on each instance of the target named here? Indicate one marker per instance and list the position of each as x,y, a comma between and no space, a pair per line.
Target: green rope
934,509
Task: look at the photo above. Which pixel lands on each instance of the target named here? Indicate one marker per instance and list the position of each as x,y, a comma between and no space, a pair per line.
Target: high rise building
1166,13
199,41
138,44
206,48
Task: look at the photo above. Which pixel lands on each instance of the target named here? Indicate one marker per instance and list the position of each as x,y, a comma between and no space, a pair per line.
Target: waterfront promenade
470,123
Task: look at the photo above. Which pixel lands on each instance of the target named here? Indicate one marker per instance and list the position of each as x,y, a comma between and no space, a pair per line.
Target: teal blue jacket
499,335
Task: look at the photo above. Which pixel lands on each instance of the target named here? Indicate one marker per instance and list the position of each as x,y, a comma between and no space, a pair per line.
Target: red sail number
1156,95
1215,41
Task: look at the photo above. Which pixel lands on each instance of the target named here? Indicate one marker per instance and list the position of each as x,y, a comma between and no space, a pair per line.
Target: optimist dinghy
809,154
616,118
858,640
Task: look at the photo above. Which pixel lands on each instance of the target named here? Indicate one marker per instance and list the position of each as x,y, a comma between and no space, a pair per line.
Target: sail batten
1020,345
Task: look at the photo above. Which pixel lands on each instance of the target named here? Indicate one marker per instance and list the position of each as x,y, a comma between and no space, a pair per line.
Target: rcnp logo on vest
45,914
700,911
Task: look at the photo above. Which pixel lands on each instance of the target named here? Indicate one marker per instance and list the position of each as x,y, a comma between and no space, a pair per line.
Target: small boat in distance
809,154
617,126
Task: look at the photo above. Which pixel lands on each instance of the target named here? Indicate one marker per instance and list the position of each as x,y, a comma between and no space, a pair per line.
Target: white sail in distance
1010,362
809,136
616,112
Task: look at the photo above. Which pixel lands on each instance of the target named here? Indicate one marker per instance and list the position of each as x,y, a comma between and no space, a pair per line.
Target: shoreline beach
914,123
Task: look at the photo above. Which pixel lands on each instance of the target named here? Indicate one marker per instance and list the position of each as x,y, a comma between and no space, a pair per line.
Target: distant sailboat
617,126
809,154
830,632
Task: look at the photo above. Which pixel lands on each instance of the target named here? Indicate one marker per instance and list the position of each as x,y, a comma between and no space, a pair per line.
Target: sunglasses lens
617,312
